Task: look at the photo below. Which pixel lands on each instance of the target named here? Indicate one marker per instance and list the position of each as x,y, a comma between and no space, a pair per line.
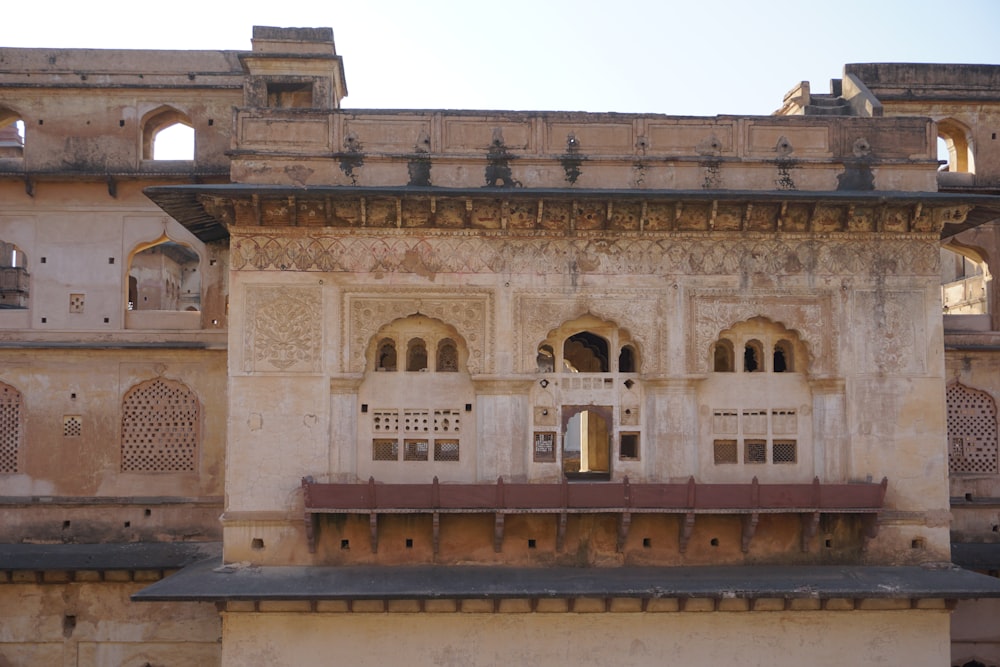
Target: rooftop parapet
580,150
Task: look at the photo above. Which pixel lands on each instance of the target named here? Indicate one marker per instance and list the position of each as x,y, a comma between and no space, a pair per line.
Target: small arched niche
628,360
416,355
965,281
783,357
546,359
753,356
385,355
167,134
447,356
723,358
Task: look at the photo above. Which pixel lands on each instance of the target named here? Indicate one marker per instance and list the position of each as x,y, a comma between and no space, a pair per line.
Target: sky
701,58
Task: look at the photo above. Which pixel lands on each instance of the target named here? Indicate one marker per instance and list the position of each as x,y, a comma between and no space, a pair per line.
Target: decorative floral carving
284,330
895,342
360,251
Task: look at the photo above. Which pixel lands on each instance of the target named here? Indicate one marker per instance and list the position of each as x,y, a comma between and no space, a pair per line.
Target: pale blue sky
691,58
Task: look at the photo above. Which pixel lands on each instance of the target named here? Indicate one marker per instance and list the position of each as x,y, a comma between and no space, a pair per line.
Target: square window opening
628,449
725,451
755,451
545,449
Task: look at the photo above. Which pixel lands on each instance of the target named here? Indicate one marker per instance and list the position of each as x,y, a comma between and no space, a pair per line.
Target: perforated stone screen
972,430
10,428
160,428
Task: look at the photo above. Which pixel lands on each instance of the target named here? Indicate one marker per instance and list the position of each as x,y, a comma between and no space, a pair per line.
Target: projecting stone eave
209,211
212,581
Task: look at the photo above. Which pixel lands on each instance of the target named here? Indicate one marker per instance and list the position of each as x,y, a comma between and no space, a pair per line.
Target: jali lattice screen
160,428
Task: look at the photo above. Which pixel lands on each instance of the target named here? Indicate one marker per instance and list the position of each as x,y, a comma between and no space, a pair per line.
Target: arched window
753,357
167,134
965,281
585,352
723,356
956,141
447,356
386,356
161,428
13,277
11,134
628,360
781,360
164,276
11,428
416,355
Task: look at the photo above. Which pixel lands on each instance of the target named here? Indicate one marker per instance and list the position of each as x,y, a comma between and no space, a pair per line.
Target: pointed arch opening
11,134
167,134
163,286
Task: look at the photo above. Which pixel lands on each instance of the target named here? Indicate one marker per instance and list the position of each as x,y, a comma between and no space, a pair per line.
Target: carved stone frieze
471,313
284,330
808,313
637,311
591,253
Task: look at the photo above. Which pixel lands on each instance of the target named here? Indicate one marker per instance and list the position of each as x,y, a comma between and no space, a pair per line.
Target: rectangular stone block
404,606
804,604
332,606
734,604
440,606
515,606
769,604
589,605
297,606
552,605
662,605
241,606
884,604
472,606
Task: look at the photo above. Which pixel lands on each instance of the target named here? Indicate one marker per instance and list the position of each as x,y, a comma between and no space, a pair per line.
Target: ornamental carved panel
284,331
890,334
471,313
638,312
810,314
595,253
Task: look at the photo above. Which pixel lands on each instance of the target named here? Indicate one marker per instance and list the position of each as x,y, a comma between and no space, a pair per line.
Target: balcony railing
687,500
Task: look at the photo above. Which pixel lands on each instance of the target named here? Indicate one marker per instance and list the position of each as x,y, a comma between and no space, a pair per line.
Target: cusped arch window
167,134
585,352
758,345
417,343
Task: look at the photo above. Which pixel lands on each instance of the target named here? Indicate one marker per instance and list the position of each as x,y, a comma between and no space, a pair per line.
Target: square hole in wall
76,303
72,426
